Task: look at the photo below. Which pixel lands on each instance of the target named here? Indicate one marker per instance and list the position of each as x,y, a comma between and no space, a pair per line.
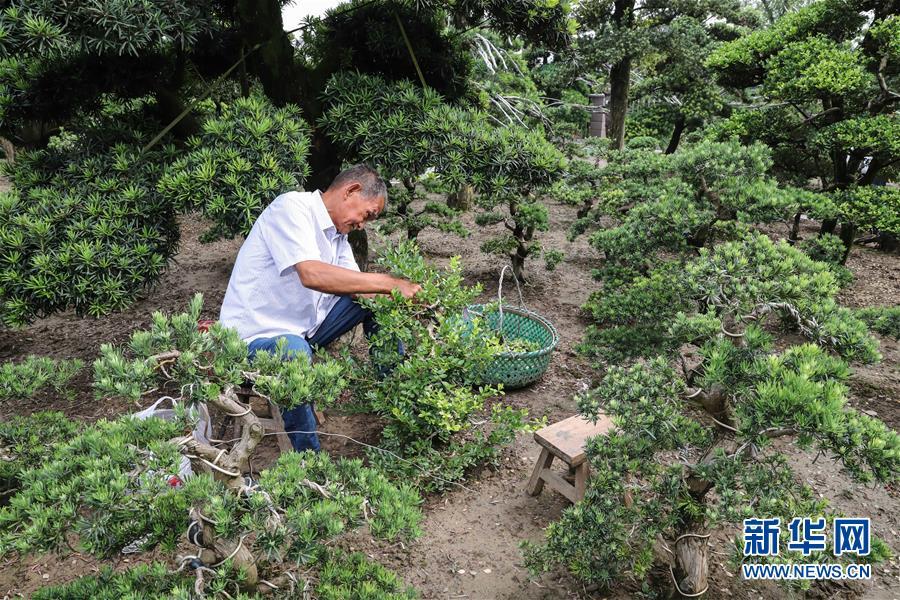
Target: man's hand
408,288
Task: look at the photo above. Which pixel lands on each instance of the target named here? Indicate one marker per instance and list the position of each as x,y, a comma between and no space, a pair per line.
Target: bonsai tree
516,167
674,469
124,483
403,131
241,160
829,103
740,282
692,450
678,203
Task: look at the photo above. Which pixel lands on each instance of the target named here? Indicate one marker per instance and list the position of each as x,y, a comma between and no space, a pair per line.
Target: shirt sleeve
345,256
289,234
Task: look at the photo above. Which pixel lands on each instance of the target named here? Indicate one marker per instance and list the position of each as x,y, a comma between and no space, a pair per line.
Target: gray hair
373,186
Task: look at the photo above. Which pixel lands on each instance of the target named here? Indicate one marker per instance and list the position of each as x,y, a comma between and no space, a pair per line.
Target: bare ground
470,546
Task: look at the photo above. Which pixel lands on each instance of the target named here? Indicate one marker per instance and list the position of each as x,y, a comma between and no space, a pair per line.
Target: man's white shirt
265,297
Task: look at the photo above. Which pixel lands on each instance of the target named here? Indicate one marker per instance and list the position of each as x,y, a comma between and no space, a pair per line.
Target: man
295,276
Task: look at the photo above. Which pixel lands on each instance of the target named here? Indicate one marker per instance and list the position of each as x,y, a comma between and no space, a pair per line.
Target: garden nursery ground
470,547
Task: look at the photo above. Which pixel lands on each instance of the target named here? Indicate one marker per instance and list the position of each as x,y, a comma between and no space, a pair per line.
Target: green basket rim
521,310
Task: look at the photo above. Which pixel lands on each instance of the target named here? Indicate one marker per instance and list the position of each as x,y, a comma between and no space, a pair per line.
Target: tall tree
619,33
825,86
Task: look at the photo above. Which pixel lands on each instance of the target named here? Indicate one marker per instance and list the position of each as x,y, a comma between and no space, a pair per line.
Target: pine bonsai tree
403,131
677,203
242,159
829,103
737,283
121,483
517,167
676,468
128,48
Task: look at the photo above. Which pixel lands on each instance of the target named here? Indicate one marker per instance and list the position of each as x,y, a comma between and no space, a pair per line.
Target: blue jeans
345,315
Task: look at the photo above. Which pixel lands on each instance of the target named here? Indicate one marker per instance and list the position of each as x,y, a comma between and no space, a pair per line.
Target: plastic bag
202,432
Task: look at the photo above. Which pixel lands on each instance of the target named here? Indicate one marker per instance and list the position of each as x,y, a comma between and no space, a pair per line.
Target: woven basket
518,369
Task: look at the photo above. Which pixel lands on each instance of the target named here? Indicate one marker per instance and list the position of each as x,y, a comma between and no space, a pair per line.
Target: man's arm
330,279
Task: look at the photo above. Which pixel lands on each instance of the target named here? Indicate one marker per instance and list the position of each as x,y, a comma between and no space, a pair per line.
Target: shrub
809,60
82,232
405,131
431,392
243,158
883,319
747,280
35,373
872,208
341,576
142,582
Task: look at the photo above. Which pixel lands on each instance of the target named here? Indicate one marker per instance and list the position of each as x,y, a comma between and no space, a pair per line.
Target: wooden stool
269,416
565,440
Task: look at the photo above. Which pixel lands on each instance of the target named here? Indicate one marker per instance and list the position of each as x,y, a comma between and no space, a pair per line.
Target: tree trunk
620,80
828,226
676,134
848,234
620,76
518,266
461,199
227,467
691,564
216,549
795,228
359,243
273,63
887,241
168,107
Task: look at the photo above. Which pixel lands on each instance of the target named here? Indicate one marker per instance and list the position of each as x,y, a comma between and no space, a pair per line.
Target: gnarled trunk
691,570
227,467
461,199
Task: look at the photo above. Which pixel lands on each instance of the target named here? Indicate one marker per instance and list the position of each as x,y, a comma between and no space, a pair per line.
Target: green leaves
205,363
815,67
739,62
883,319
91,471
241,161
431,393
290,383
82,232
34,374
121,27
428,390
403,131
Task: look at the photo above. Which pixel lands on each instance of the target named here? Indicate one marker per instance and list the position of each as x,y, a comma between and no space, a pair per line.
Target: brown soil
470,546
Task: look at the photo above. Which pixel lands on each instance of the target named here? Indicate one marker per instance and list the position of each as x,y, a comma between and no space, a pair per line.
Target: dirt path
470,546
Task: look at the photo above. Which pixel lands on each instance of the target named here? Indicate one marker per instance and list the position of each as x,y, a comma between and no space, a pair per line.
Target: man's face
356,210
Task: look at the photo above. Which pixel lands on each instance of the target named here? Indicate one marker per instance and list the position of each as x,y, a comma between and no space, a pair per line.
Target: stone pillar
598,115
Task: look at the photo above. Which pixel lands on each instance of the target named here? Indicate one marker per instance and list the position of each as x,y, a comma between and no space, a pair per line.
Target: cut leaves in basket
517,345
